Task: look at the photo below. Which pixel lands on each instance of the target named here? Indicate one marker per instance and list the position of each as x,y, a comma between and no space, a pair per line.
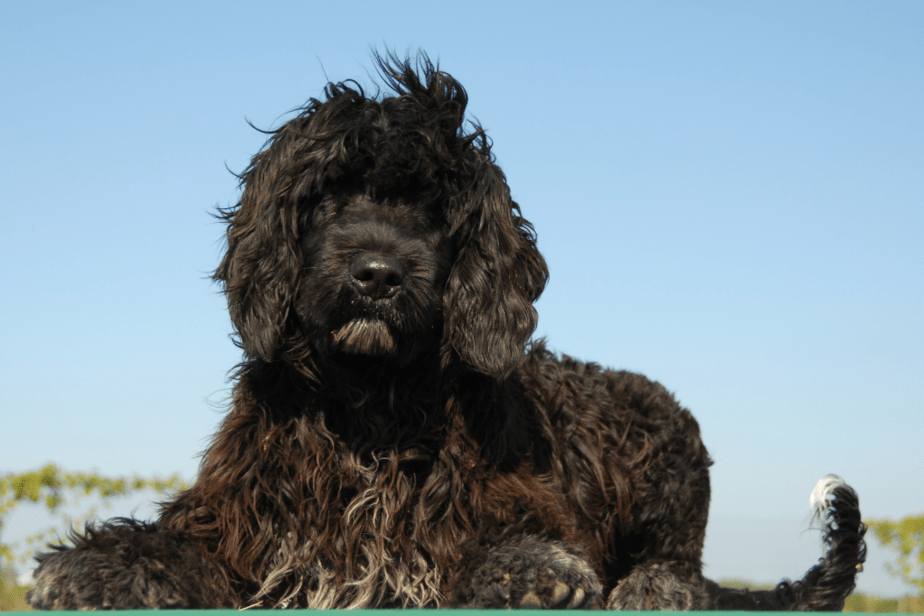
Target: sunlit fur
394,438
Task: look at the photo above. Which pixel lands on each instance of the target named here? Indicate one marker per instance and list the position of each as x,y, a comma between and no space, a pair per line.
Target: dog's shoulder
574,392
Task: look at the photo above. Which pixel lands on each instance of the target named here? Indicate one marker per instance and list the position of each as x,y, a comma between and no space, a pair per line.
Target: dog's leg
667,574
669,524
128,565
529,573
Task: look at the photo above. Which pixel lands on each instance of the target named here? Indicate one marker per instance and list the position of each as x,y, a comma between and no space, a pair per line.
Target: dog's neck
376,407
367,403
373,403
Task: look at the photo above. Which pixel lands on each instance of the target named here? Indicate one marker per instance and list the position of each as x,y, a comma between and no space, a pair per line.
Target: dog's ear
260,269
497,275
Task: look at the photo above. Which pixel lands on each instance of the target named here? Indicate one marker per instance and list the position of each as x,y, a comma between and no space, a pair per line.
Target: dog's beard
365,336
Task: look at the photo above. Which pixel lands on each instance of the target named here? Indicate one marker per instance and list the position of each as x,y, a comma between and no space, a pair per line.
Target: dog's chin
364,336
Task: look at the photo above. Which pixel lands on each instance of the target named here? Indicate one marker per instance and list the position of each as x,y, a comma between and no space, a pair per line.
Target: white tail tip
822,494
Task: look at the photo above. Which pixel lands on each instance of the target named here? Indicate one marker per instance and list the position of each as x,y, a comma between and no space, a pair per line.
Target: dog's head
376,226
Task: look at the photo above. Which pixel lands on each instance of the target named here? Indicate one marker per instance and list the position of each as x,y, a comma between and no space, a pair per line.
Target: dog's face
374,270
378,228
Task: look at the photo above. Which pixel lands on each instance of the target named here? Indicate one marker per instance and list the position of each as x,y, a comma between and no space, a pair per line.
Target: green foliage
906,537
868,604
53,487
12,595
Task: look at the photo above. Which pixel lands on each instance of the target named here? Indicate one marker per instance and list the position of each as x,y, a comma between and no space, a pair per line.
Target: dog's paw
534,574
125,564
661,586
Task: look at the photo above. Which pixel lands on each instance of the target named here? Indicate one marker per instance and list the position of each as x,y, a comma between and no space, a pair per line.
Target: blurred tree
907,537
55,488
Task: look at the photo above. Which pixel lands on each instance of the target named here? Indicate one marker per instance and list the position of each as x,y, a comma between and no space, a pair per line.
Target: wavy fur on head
410,151
394,439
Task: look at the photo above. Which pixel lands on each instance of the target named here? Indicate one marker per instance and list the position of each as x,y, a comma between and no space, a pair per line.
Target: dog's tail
827,584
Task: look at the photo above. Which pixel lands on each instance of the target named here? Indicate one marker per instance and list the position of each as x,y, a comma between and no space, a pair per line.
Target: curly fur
394,438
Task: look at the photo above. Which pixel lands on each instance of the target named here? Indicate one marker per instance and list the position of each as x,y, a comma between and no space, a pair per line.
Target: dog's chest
377,556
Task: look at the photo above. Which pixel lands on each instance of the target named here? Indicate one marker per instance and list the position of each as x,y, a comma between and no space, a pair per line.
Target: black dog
394,440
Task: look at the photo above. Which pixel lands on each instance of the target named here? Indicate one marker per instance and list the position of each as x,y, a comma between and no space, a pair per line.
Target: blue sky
730,197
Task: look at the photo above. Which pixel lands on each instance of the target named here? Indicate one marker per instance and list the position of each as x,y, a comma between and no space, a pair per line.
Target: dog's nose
376,276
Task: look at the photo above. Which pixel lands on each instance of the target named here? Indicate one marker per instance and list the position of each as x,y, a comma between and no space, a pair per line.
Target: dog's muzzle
377,279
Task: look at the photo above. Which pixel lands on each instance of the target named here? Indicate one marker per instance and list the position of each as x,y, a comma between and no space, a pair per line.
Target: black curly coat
394,439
